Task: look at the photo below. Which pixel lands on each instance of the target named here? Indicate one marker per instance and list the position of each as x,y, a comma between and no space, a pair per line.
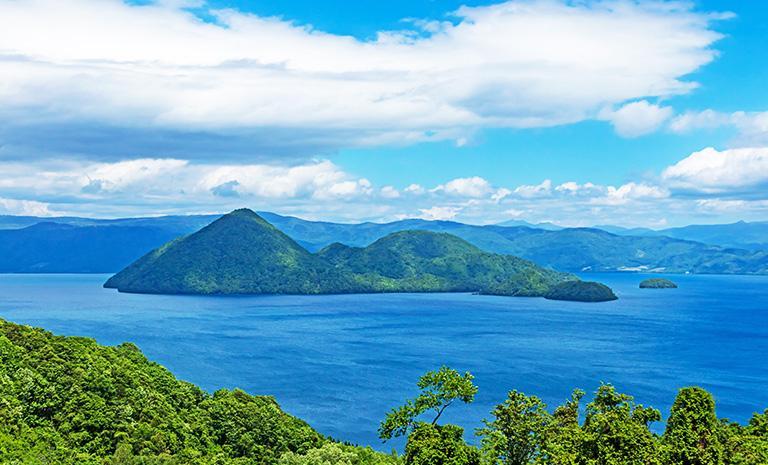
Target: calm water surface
341,362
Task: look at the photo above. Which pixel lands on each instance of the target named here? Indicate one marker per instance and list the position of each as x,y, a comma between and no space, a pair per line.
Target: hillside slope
412,261
68,400
241,253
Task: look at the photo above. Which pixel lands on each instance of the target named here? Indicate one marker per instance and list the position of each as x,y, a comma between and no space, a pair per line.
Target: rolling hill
241,253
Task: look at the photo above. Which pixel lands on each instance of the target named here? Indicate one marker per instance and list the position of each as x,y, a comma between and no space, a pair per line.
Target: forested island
241,253
71,401
657,283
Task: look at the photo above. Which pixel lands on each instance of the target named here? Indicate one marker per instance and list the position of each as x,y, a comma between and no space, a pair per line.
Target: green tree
563,438
746,445
691,437
616,430
516,434
439,389
431,444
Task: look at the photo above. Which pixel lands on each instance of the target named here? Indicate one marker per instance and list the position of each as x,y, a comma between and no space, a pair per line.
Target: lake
341,362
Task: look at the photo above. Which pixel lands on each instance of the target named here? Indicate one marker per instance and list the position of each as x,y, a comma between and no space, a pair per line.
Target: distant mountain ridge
98,246
241,253
740,235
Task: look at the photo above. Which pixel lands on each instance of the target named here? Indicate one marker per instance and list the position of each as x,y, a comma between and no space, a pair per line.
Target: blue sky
635,113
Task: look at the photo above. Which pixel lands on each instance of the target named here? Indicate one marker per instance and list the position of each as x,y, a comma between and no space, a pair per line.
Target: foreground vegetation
241,253
68,400
614,430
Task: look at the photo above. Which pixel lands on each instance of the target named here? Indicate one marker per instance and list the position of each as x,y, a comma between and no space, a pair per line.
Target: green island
581,291
68,400
657,283
241,253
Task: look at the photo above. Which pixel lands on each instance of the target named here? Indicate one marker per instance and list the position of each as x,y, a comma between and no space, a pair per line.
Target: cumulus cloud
538,190
637,118
415,189
389,192
24,207
712,170
629,192
574,188
439,213
465,187
751,126
159,67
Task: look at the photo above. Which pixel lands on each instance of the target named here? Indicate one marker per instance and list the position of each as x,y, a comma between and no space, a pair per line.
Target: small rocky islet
657,283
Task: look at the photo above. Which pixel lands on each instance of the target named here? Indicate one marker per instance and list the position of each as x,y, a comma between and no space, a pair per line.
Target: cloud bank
106,71
706,184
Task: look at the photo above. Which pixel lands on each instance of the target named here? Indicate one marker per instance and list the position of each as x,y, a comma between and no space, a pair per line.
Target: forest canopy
68,400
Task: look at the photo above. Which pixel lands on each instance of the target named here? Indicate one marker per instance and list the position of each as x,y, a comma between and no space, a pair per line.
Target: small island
581,291
657,283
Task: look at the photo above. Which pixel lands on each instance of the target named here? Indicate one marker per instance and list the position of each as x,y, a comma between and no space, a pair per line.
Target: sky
577,112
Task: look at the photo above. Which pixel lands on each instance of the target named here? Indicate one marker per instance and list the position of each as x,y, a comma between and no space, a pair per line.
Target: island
242,253
581,291
657,283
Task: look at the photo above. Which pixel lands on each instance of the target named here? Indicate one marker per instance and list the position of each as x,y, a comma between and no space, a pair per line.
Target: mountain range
82,245
241,253
741,235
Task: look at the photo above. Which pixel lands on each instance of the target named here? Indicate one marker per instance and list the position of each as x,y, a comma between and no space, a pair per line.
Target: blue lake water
341,362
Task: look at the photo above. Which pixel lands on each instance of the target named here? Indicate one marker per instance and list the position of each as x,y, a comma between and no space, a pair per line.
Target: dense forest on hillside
241,253
69,400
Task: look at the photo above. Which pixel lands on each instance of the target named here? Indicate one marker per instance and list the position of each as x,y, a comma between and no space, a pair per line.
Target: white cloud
574,188
439,213
514,64
538,190
637,118
345,189
24,207
752,126
501,194
717,205
389,192
275,181
415,189
712,170
630,191
465,187
106,177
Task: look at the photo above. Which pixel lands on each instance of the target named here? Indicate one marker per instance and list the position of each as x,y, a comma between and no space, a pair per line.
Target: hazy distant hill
742,235
62,248
241,253
571,249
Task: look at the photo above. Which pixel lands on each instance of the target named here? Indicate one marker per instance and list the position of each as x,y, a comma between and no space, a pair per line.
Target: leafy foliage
68,400
517,433
439,389
692,435
615,431
241,253
431,444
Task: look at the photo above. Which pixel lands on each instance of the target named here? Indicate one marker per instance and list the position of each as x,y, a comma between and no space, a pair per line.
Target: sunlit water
341,362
